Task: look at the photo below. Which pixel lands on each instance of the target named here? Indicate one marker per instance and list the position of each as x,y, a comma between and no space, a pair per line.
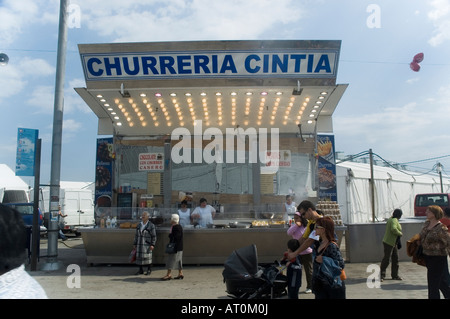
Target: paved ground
200,282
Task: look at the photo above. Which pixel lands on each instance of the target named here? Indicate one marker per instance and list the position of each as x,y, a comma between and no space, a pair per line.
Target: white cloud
412,131
15,15
440,16
412,80
71,125
186,20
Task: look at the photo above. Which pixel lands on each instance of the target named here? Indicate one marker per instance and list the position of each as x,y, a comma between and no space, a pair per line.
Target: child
294,270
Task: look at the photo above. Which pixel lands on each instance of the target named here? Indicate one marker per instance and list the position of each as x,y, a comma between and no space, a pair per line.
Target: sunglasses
318,227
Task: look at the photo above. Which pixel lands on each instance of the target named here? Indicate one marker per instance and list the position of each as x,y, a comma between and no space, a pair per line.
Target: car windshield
24,209
432,199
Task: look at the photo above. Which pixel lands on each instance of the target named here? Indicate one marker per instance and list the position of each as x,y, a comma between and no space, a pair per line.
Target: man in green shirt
391,236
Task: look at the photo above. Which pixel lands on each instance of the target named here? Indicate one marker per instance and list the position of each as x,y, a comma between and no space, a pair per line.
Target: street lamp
4,59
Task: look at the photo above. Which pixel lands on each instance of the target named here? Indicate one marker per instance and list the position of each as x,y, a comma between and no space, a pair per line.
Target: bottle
108,222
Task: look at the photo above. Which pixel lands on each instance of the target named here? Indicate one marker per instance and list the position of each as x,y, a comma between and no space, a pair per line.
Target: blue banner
104,167
326,167
26,151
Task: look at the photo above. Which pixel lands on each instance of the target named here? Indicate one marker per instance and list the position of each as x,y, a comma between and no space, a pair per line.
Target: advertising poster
26,150
326,167
104,167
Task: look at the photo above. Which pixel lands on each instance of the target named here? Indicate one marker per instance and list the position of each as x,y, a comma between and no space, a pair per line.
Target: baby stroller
245,279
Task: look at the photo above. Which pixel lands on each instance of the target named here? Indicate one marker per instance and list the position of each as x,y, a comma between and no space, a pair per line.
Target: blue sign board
216,64
26,151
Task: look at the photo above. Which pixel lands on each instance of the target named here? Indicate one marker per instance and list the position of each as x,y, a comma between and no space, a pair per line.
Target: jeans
294,278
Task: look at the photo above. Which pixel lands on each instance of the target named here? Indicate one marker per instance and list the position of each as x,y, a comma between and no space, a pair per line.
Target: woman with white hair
174,260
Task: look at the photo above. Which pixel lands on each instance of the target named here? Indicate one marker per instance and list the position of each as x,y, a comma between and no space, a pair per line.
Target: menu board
266,183
154,183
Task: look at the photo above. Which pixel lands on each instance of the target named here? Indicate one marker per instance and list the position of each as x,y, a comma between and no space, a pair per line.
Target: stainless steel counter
201,246
364,242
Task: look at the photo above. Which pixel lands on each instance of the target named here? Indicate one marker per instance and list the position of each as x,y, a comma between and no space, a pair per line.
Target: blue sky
402,115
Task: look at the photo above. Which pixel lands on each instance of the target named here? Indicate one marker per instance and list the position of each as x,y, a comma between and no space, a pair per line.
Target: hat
175,218
298,214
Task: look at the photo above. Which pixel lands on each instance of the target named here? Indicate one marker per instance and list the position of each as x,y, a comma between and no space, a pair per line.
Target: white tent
9,181
393,189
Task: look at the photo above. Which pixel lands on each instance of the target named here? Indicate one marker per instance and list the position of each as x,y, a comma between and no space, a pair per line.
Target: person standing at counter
185,214
435,241
144,242
203,214
390,239
174,261
290,206
296,232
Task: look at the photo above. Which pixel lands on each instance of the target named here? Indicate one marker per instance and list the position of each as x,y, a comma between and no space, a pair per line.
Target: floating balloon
414,65
418,58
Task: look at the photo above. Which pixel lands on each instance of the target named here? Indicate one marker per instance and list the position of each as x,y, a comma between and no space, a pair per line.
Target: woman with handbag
327,248
175,249
391,242
435,241
144,243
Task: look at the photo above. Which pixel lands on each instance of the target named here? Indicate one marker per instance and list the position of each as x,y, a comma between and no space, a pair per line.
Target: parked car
422,201
26,210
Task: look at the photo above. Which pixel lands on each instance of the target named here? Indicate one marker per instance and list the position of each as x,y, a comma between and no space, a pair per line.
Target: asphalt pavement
75,279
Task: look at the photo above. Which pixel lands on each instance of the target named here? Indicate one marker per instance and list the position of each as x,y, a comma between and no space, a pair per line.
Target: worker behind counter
203,215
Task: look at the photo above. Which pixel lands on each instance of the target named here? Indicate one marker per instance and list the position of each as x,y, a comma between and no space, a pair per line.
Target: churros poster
104,167
326,167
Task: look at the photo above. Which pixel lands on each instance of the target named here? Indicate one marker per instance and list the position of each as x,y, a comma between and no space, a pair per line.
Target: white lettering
73,280
374,19
373,280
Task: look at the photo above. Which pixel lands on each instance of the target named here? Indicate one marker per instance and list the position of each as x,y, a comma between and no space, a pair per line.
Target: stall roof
139,106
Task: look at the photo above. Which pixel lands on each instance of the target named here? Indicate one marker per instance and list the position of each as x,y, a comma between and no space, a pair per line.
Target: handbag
170,248
330,272
343,274
398,242
132,257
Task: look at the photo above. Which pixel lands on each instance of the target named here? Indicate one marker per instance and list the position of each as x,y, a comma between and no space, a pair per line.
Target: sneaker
397,278
308,291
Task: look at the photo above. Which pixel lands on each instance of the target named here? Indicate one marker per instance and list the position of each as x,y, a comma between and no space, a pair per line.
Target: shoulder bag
170,248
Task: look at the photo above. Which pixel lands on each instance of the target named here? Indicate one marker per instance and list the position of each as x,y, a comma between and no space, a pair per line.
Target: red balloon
414,66
418,58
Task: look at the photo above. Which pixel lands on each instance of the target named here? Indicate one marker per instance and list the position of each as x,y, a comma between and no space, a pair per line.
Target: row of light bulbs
130,115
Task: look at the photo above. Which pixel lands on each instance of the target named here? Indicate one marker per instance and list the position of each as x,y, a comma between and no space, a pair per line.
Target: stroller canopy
242,263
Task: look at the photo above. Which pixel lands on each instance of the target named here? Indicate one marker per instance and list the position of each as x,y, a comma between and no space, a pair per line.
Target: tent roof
9,180
362,170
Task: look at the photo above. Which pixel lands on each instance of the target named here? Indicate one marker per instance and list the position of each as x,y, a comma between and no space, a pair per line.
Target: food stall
240,123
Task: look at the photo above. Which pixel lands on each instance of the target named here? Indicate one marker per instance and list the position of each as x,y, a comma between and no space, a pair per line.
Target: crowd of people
312,248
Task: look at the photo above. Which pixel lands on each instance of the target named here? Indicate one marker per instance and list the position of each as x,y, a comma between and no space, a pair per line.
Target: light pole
53,227
4,59
439,170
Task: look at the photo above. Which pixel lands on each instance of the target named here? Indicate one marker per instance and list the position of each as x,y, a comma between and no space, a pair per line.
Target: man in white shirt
204,213
15,282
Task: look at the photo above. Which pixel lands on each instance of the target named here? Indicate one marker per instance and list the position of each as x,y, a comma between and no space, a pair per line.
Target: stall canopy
394,188
141,89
